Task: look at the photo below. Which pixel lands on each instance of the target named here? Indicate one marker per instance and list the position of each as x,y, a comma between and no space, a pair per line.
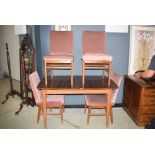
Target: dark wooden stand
26,58
139,100
12,92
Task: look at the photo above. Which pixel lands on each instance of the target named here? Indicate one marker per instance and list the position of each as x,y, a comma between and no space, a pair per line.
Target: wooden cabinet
139,100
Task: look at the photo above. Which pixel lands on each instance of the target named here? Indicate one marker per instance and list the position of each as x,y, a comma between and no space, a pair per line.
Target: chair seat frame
96,65
56,65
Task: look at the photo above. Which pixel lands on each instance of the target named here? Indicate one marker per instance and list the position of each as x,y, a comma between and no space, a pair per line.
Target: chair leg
107,117
85,108
109,74
45,71
83,73
89,113
72,66
111,114
61,113
63,108
51,72
39,112
103,74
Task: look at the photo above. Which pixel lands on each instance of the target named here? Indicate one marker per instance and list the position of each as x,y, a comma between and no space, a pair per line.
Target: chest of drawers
139,100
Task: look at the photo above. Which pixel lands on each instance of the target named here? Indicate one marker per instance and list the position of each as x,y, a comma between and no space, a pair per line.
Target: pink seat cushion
55,99
96,100
97,57
60,58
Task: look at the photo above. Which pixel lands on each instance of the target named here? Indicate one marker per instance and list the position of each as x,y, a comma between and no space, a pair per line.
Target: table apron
78,92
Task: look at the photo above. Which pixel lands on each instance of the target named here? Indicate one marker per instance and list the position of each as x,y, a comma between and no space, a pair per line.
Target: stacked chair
61,53
94,55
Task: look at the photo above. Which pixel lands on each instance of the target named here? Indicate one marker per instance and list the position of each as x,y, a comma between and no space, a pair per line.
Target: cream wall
7,35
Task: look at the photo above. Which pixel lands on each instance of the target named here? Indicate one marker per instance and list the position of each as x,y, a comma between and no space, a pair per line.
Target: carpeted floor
74,118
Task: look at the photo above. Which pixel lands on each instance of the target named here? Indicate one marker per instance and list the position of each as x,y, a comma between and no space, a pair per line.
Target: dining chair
52,101
61,53
100,101
94,56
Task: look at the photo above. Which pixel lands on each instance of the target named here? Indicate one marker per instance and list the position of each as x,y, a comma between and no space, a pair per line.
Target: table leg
83,72
44,108
109,74
72,73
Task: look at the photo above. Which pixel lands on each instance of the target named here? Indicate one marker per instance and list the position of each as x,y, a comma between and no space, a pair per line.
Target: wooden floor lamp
12,91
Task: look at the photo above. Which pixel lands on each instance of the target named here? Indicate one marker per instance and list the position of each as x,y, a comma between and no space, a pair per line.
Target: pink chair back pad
54,100
117,79
99,100
94,42
61,43
34,81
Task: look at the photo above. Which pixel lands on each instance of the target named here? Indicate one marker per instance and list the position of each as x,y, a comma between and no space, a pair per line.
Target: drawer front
148,101
147,110
148,97
146,118
149,92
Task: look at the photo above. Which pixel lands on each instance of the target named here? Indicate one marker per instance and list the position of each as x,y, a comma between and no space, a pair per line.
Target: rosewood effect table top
63,82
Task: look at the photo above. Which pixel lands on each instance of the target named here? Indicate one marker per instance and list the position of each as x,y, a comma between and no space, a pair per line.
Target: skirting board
117,105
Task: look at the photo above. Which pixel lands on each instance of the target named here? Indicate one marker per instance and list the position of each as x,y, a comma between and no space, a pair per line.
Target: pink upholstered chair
61,52
53,101
94,53
99,101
